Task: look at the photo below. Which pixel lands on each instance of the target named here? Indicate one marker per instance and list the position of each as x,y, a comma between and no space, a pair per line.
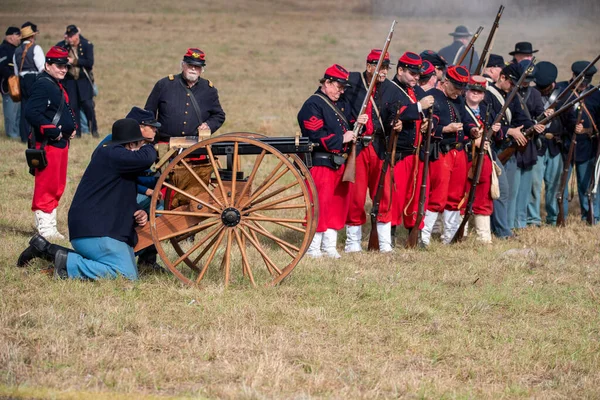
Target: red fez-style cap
428,70
458,75
477,82
337,73
374,55
411,61
57,55
194,57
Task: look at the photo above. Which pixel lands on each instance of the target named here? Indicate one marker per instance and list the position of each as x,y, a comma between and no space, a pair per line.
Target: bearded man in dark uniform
187,105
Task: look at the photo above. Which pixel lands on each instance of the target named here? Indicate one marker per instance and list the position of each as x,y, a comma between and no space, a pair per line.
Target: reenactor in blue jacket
462,37
587,138
79,82
49,113
369,160
187,105
326,118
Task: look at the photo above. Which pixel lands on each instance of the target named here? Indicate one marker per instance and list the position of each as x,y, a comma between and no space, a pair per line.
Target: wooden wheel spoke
274,219
228,256
285,246
211,256
192,229
257,163
292,227
217,174
196,246
188,213
203,184
245,263
234,173
191,197
267,183
276,202
205,250
254,240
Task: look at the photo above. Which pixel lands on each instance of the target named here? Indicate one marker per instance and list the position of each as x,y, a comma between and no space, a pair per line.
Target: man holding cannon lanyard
326,119
104,212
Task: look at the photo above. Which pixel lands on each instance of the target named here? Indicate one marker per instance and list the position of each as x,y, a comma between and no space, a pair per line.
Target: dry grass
451,322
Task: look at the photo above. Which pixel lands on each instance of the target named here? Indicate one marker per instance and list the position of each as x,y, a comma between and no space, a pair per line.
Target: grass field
516,319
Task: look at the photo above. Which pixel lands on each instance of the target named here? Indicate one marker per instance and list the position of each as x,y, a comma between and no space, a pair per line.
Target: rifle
574,82
413,236
560,219
471,43
460,233
485,53
390,154
508,152
350,171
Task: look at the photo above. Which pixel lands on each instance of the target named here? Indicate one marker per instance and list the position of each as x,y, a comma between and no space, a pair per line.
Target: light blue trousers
101,258
546,170
519,192
583,173
12,116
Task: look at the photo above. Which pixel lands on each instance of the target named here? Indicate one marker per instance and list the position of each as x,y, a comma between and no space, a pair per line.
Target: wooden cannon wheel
257,226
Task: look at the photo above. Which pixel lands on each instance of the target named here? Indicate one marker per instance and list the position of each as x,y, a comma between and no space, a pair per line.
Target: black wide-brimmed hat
126,130
461,31
523,48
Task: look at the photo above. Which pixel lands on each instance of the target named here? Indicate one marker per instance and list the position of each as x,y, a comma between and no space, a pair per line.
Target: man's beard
191,76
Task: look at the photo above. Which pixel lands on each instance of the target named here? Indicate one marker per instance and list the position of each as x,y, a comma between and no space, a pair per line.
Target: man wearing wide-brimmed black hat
522,51
454,52
104,212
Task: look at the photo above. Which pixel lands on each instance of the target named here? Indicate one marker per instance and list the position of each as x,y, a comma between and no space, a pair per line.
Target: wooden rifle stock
460,233
560,219
413,236
469,46
508,152
350,170
485,53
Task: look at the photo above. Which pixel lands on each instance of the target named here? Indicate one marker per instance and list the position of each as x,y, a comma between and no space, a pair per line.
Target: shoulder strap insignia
210,83
171,77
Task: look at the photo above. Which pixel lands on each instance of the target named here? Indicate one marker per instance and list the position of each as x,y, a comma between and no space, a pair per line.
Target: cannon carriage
253,217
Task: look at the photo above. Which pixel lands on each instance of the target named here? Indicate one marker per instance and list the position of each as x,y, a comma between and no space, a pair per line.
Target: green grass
458,322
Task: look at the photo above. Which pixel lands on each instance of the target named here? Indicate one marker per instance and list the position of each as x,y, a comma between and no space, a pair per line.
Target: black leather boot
38,248
60,264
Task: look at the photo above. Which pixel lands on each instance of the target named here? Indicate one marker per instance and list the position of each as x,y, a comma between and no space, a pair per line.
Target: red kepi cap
57,55
374,55
458,75
411,61
337,73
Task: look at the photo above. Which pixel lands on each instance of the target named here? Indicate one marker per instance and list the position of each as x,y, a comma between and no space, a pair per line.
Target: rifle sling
193,100
372,102
334,108
502,100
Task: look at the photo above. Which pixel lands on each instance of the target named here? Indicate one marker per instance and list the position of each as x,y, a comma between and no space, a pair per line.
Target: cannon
252,218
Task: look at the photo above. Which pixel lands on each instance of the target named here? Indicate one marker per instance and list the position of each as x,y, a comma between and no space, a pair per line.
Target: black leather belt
336,159
446,147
